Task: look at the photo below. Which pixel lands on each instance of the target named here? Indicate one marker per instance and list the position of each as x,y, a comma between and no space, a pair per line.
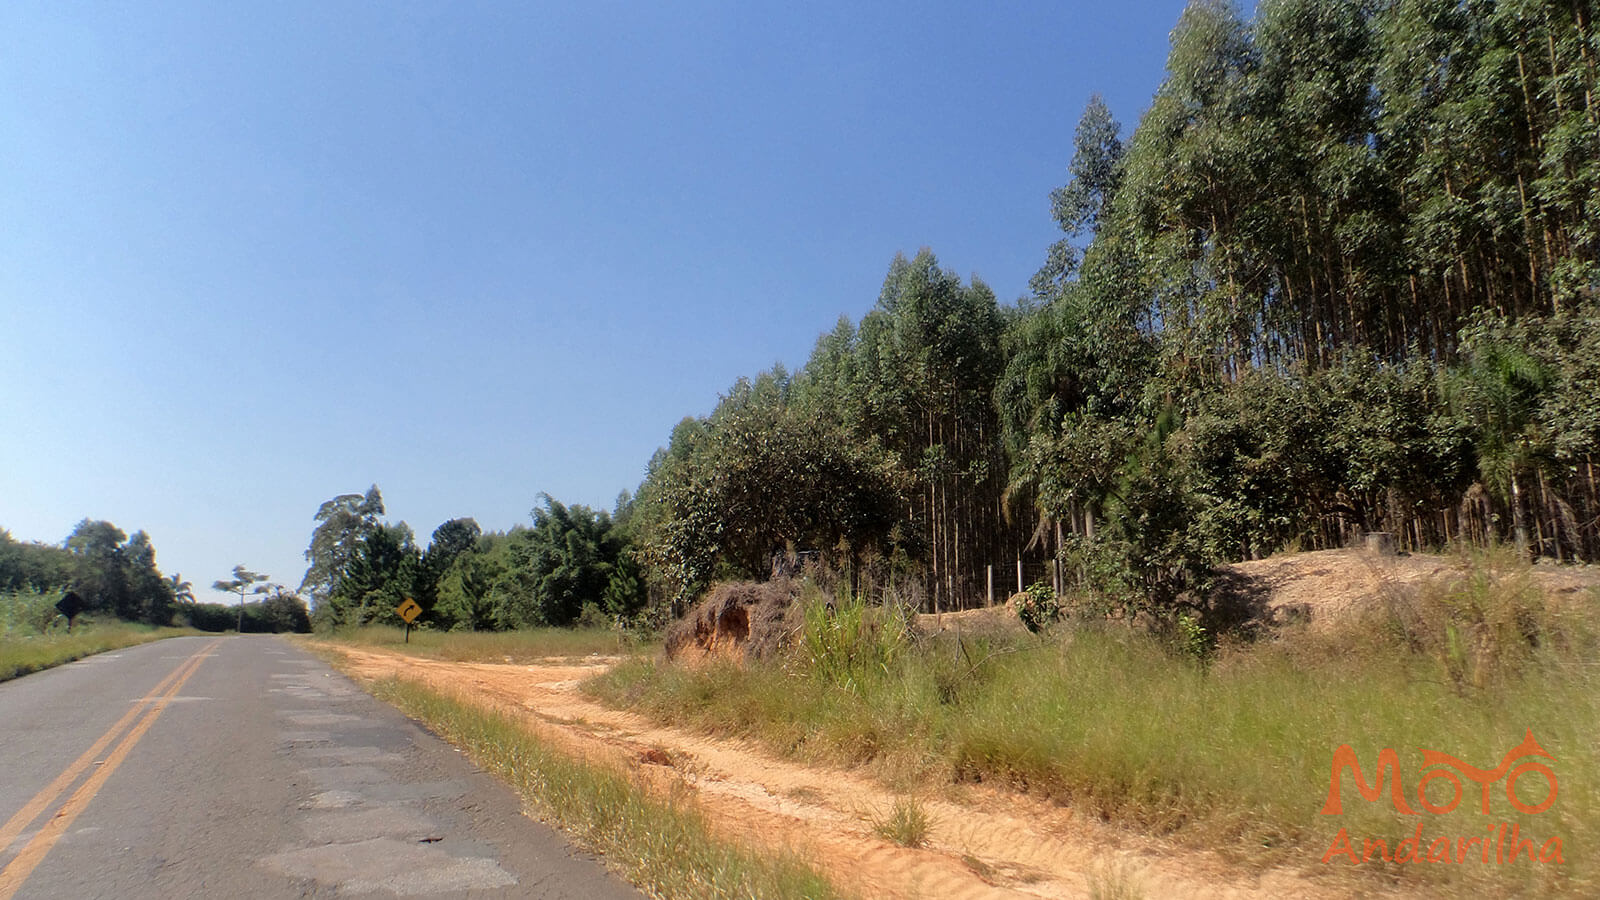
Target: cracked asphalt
263,773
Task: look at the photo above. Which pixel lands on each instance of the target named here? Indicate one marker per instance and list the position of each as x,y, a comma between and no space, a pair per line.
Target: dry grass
1234,755
21,655
662,845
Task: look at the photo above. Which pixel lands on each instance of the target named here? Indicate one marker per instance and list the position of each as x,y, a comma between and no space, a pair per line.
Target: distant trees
32,566
282,610
279,610
113,573
182,591
567,559
571,558
380,572
117,574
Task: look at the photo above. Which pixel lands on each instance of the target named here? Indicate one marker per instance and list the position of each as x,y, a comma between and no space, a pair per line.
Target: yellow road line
41,800
26,860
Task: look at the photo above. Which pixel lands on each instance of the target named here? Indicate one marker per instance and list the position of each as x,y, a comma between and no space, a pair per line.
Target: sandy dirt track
985,843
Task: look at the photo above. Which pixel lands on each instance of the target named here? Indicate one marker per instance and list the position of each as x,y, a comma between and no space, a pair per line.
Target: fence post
989,574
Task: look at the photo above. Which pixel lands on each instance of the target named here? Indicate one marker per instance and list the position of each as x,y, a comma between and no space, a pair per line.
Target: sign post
409,610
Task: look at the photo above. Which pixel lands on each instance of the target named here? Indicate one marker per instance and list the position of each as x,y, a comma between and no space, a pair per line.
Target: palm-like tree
182,591
1495,389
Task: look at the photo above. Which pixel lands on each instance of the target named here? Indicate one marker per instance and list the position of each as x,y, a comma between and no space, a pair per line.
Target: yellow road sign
409,610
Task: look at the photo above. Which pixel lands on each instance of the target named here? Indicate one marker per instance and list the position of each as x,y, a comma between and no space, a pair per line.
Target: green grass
662,845
907,823
1233,755
525,646
22,654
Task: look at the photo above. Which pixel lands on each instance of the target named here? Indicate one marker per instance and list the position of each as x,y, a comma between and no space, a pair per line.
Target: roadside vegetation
661,844
23,651
113,577
1228,748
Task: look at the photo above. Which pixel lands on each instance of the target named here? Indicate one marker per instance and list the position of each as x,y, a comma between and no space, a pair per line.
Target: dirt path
984,843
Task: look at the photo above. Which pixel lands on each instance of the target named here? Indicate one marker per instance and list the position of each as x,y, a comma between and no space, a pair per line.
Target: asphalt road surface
246,767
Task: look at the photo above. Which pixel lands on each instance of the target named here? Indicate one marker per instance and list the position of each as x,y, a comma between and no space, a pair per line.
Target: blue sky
256,255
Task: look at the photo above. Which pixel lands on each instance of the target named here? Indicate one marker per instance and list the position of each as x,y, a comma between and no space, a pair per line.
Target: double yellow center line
140,717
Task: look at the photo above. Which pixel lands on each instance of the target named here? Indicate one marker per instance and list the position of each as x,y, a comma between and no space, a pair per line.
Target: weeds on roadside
907,823
848,642
662,844
1115,881
1490,624
22,655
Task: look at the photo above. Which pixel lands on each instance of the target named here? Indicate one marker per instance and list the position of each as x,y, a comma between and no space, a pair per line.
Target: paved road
245,767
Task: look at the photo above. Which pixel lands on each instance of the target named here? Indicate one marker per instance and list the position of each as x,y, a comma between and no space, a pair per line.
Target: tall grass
523,646
663,845
21,654
1234,755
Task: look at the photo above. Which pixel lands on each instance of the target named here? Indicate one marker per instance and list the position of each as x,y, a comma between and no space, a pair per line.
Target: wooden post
1019,574
989,572
1055,576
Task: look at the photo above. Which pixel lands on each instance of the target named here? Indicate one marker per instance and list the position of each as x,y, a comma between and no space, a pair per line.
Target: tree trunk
1519,522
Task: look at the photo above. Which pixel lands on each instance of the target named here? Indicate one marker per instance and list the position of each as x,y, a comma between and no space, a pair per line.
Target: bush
1038,607
29,612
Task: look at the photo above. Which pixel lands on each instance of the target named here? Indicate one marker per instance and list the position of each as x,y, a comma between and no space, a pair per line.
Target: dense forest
1341,278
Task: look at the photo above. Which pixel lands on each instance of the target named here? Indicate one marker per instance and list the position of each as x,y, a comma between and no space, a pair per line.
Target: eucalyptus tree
1080,205
342,525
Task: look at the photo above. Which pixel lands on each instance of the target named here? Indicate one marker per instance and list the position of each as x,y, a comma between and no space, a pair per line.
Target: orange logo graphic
1503,841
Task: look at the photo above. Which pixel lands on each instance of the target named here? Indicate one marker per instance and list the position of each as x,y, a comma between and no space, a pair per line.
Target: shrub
1038,607
907,823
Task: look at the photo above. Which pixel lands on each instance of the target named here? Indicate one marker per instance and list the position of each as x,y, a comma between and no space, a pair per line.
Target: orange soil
984,842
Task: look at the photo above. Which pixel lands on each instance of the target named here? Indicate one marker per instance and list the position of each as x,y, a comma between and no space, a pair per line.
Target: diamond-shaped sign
409,610
70,605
